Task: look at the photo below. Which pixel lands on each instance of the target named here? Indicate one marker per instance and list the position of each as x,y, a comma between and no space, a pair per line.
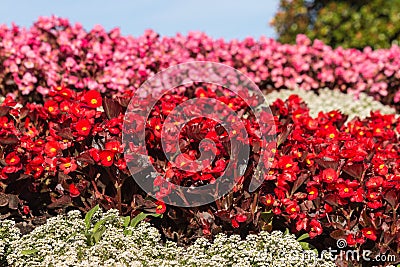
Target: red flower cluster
326,177
63,146
343,180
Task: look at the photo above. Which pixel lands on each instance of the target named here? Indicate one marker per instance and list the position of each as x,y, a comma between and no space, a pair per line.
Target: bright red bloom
293,209
52,148
345,191
374,182
160,207
114,146
312,193
12,159
241,218
328,208
315,228
329,175
106,157
287,163
67,165
121,164
358,195
51,107
374,204
92,99
83,127
234,223
26,210
301,223
369,233
268,200
66,93
73,191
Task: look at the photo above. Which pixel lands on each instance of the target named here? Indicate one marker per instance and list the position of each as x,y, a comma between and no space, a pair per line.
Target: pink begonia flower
102,60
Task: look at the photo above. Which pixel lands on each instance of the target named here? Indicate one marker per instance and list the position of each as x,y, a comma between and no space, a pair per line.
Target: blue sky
218,18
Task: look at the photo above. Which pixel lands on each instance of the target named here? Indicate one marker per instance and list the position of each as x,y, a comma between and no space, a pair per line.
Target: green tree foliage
352,23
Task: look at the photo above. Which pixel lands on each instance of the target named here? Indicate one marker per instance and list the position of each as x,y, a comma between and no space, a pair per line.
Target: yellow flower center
109,158
53,150
51,109
67,165
93,101
84,128
332,135
158,127
346,190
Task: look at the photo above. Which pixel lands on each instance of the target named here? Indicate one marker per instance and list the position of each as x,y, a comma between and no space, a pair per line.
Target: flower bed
61,128
327,178
63,241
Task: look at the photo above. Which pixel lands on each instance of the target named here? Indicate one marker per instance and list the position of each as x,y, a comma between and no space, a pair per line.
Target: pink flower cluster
54,52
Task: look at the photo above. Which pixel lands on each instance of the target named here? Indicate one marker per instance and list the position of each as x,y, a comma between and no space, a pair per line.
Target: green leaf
29,251
127,232
286,231
141,216
307,246
97,235
303,236
89,216
99,224
127,219
267,216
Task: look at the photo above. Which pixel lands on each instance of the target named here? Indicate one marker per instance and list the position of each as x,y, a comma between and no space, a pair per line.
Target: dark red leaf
111,107
9,140
338,234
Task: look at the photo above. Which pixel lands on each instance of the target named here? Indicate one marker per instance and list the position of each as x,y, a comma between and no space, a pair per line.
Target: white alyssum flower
328,100
62,242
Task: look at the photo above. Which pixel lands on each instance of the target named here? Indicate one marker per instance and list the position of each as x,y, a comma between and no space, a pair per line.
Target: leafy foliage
355,24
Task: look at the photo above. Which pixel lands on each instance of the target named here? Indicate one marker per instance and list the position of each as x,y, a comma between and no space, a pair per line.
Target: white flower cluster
62,242
8,234
328,100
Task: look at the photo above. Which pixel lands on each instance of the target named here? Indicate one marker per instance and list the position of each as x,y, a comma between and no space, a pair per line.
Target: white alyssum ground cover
62,242
328,100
